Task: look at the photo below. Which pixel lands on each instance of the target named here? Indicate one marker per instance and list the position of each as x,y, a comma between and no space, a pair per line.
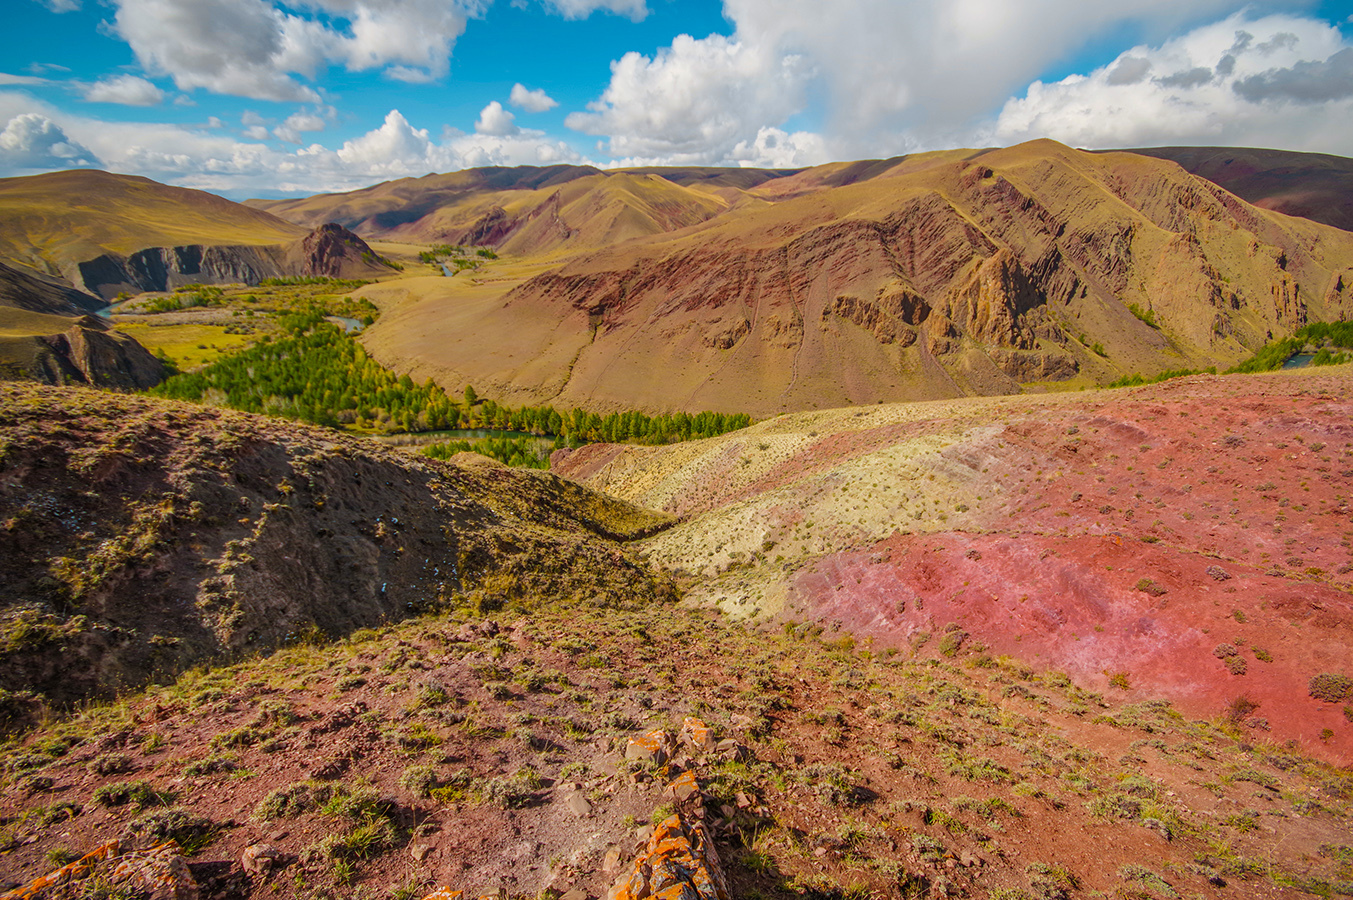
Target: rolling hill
528,211
1187,540
1315,186
54,222
937,275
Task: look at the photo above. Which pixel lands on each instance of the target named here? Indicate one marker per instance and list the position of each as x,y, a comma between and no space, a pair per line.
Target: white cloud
298,123
62,6
880,76
536,101
1277,80
257,133
33,141
251,118
694,101
258,48
775,149
495,120
7,79
636,10
214,122
128,90
216,161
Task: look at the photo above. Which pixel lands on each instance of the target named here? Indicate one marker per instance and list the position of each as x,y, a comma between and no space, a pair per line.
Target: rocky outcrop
165,268
678,859
679,863
41,294
88,352
990,304
92,353
331,250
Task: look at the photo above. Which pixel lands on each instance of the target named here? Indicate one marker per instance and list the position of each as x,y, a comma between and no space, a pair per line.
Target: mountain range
933,275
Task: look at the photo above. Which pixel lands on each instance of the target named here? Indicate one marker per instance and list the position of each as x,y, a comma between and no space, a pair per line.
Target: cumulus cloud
635,10
1240,81
1190,78
41,137
298,123
33,141
695,101
128,90
1129,70
773,148
495,120
1303,82
882,77
536,101
260,49
397,149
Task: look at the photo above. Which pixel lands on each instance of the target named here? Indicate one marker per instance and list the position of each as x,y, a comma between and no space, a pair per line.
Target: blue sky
265,98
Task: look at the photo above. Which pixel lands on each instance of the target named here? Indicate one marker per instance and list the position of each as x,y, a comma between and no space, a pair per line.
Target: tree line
313,371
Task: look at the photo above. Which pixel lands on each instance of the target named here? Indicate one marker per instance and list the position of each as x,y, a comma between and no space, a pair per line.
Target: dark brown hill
1315,186
47,335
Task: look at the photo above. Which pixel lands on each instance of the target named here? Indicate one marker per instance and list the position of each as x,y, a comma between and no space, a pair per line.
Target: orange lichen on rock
159,872
653,747
698,735
42,887
679,863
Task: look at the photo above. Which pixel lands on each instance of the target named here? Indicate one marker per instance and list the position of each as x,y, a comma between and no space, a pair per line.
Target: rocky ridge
141,537
330,250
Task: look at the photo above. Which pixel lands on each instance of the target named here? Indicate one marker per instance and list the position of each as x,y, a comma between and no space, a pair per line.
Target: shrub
952,642
139,793
419,780
832,782
111,764
1147,586
366,840
211,765
292,800
190,832
1331,687
512,791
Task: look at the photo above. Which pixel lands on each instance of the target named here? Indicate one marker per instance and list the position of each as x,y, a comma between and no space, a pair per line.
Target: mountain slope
52,222
1191,536
525,211
1312,185
940,275
47,335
